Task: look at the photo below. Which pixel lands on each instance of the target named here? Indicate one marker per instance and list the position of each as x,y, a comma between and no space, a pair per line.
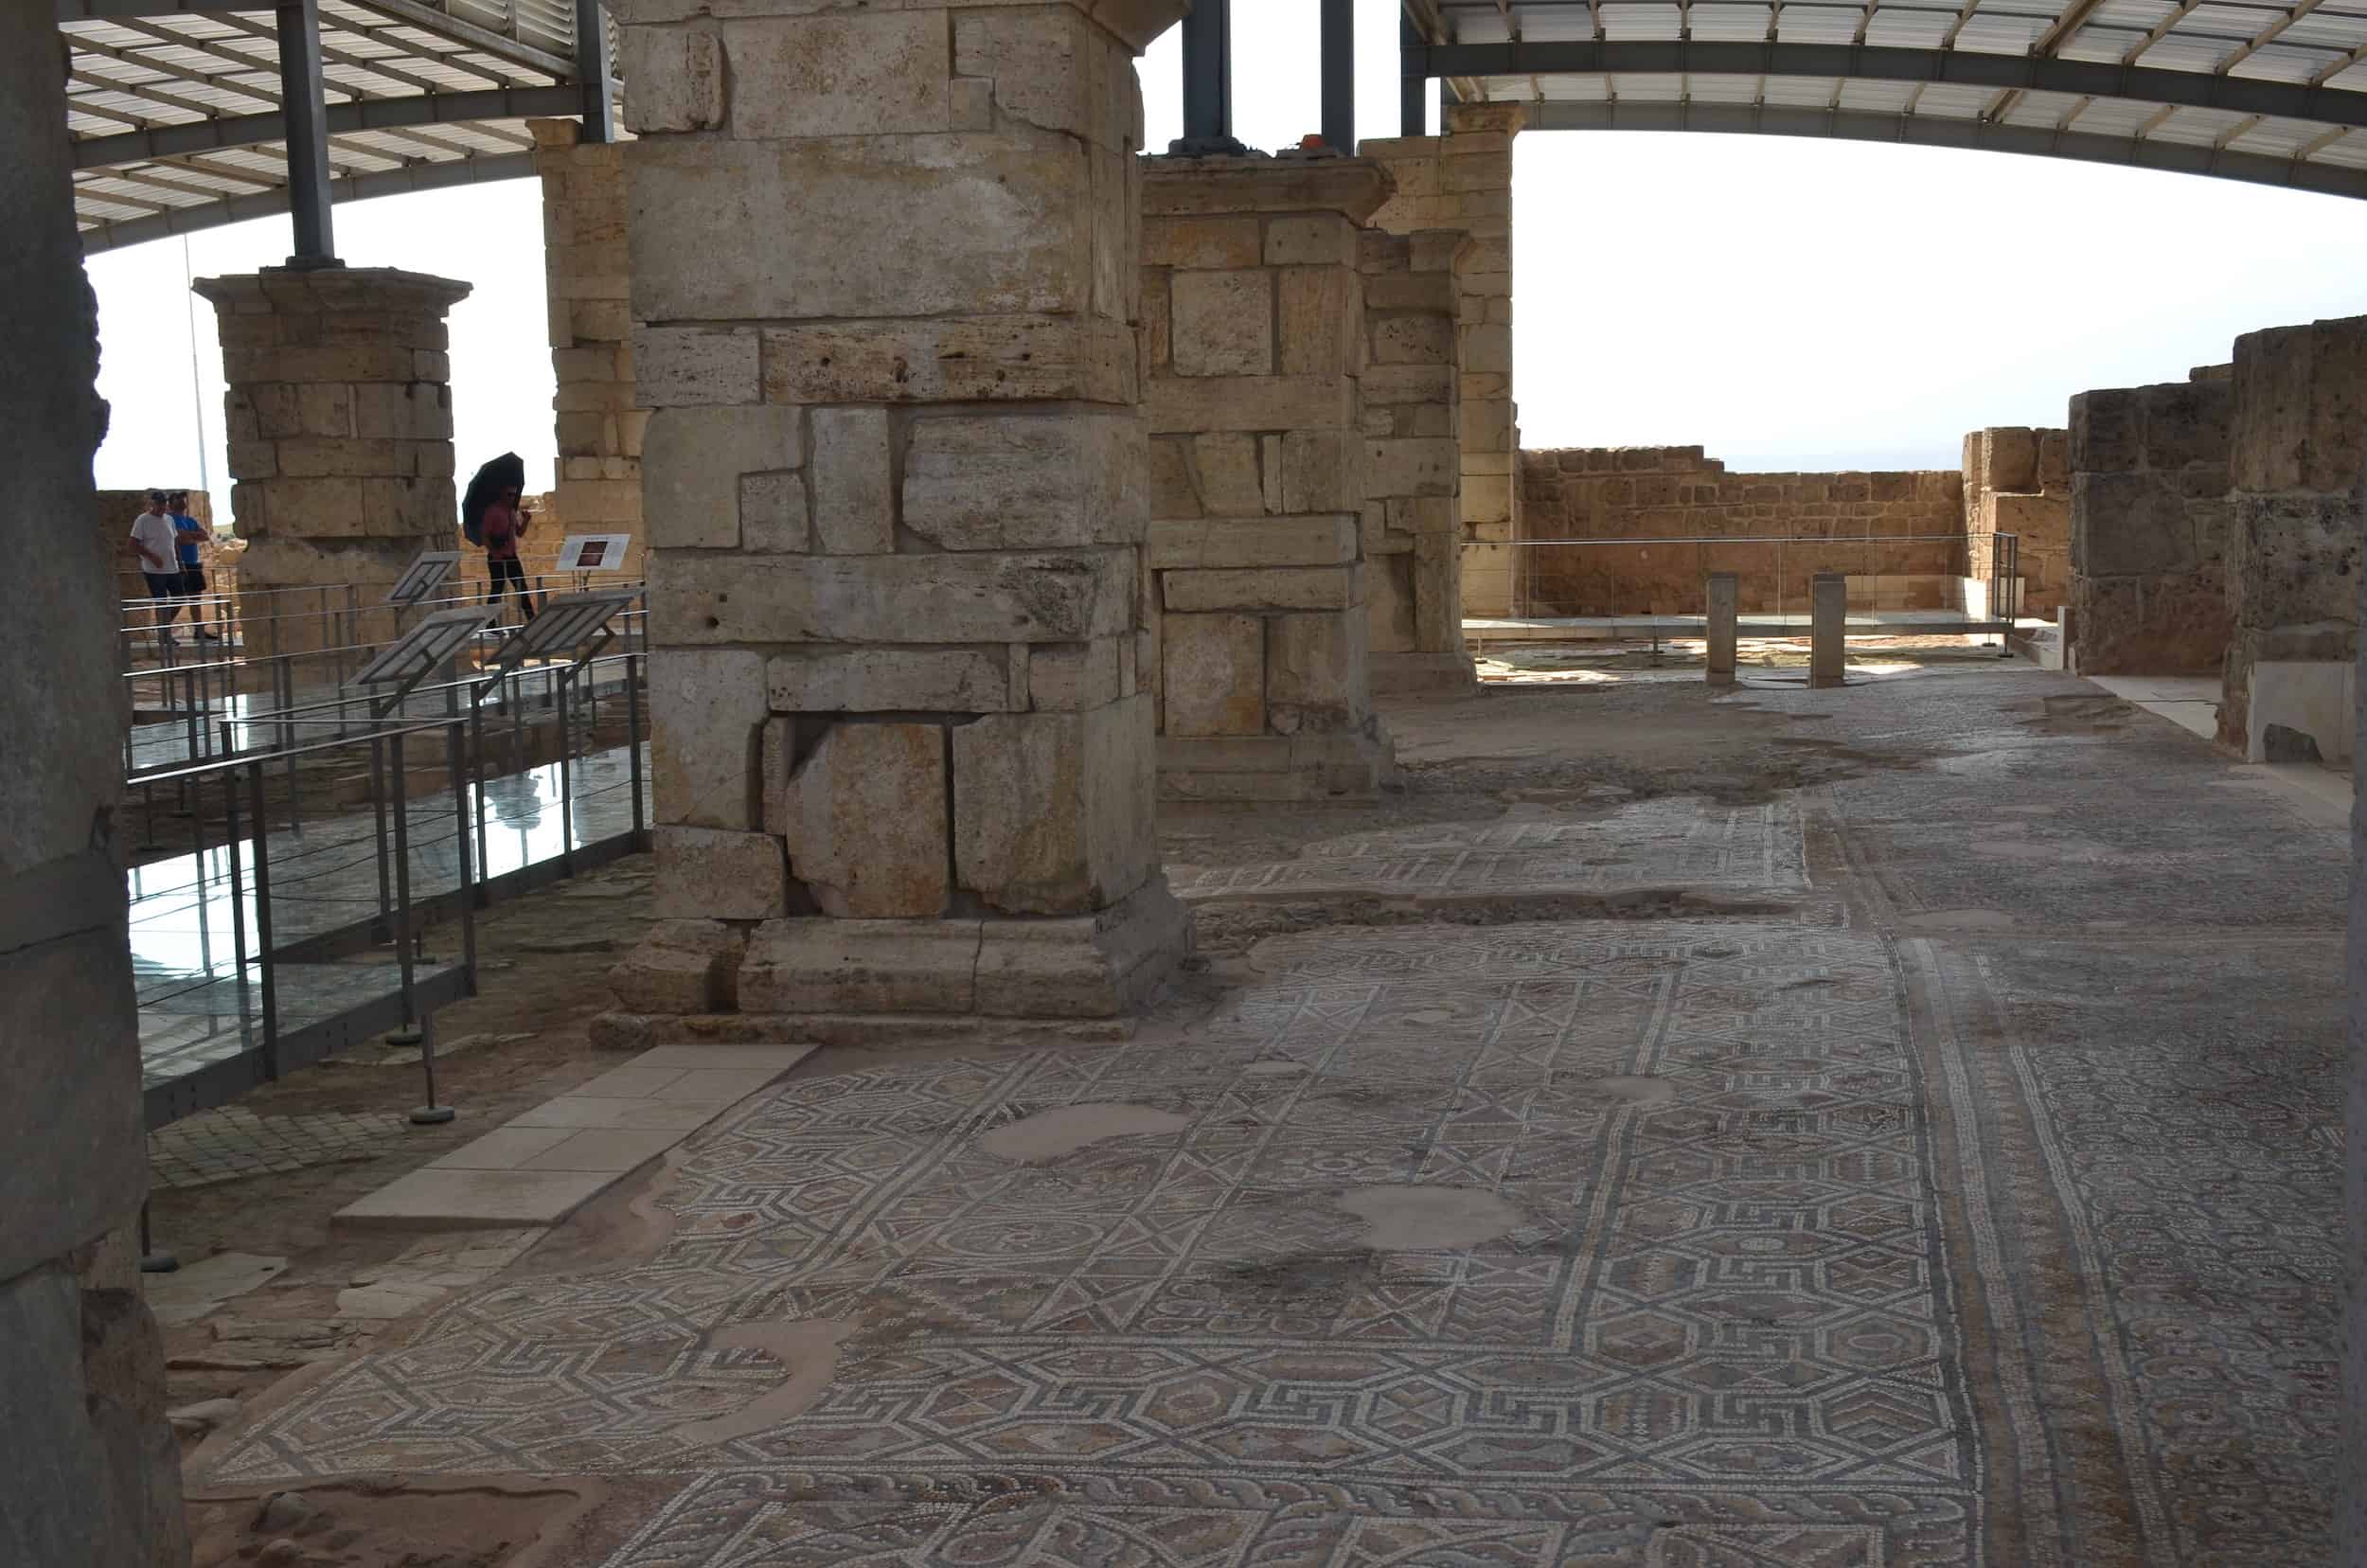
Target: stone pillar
2350,1503
1254,337
89,1471
2149,481
1413,463
2017,481
339,413
1462,180
2294,545
1725,600
1828,624
884,264
588,280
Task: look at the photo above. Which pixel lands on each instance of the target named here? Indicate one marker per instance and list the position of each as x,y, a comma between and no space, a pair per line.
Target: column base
1277,768
1404,672
1087,966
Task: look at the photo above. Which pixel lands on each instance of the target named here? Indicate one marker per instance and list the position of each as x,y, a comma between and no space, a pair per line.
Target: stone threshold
914,1031
540,1167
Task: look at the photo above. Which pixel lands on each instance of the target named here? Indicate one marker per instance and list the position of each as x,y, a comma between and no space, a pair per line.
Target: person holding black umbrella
493,515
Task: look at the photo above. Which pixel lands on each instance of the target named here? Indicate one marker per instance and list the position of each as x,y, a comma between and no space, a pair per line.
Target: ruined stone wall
1463,181
89,1471
1677,492
2294,550
1413,461
588,278
2149,481
2017,481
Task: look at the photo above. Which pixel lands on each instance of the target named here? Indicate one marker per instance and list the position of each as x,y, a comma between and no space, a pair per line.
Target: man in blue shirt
188,534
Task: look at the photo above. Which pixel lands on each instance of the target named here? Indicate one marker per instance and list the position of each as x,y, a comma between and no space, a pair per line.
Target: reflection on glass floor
195,1008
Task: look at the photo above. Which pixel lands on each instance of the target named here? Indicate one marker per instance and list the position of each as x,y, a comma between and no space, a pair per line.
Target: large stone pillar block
2149,529
883,276
1261,472
339,421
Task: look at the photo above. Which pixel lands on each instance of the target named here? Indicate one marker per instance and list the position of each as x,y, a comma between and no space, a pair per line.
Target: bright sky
1784,303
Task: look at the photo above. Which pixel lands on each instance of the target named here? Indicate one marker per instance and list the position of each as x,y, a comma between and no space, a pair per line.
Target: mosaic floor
1916,1218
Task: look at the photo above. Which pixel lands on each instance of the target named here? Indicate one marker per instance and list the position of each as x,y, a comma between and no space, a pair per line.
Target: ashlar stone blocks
883,268
2295,533
600,421
2017,482
2149,510
1255,343
339,419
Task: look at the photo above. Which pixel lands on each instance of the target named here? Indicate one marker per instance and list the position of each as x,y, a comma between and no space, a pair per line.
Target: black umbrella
506,472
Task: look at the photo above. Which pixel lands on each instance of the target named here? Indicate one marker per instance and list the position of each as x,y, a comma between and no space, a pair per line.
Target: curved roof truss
2250,90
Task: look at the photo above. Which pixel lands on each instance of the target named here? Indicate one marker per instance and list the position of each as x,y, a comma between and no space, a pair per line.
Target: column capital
324,291
1503,119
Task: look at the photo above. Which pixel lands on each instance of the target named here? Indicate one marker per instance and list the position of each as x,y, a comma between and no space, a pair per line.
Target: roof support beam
304,104
2182,89
1208,82
1339,51
428,19
1933,131
599,106
1413,87
341,120
265,203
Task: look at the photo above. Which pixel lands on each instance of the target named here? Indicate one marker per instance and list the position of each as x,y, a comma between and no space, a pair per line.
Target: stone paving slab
542,1165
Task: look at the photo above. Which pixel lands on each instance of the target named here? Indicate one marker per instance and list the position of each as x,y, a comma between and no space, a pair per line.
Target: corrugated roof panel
1801,92
2279,62
1877,97
1731,23
2179,52
1895,27
2328,32
1986,32
1591,87
1817,24
1651,88
2350,152
2099,45
1725,89
2039,109
2276,138
1646,21
2196,127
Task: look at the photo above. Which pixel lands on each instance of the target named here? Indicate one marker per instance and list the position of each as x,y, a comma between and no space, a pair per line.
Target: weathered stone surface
837,75
1281,588
854,483
677,76
867,823
821,964
680,967
1025,481
889,226
1213,672
1325,765
982,358
706,710
1223,322
1316,676
891,680
708,873
697,598
69,1048
1195,404
1214,542
692,460
1074,861
693,367
1087,966
1072,677
2301,407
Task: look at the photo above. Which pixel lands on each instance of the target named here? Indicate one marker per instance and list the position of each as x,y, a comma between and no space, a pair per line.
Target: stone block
1052,811
1213,675
1048,67
2293,560
706,709
854,483
1412,340
1225,543
1223,322
2301,407
1322,321
866,822
1278,588
1087,966
891,680
1025,481
702,599
978,359
683,366
822,965
691,464
888,225
1310,240
1226,475
680,967
711,874
880,74
773,514
1409,384
69,1045
1072,677
1232,241
2188,424
1316,676
1206,404
1389,606
1412,467
1323,470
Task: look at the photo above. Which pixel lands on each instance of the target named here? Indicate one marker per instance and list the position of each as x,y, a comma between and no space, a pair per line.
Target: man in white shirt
158,551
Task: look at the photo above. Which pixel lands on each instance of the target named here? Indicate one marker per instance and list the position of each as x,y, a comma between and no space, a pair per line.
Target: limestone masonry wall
1645,492
2017,481
2149,481
587,274
2294,507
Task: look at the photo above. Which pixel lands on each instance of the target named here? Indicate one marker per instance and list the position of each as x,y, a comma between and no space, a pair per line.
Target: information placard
594,552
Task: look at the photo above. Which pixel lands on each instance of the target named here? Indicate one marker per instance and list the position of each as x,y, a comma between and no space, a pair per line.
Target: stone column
2350,1503
894,486
1725,599
2149,481
1413,464
1462,180
89,1471
1254,338
2017,481
1828,627
339,414
2294,541
588,279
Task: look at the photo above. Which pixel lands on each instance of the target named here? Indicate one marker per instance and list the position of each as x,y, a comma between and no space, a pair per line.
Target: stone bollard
1829,619
1725,599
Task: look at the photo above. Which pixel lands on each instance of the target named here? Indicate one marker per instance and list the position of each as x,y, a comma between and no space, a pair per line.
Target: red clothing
499,533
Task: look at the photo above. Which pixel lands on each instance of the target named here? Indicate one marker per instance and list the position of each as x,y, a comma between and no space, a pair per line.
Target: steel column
1339,51
600,110
1413,90
1207,83
304,102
